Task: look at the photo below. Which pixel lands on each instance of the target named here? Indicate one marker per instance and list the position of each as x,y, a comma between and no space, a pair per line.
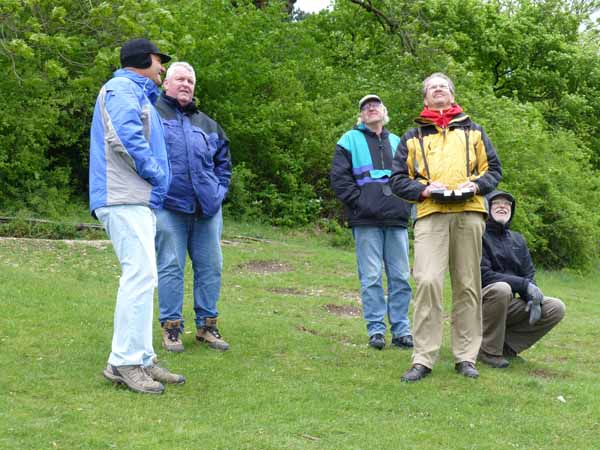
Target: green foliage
285,89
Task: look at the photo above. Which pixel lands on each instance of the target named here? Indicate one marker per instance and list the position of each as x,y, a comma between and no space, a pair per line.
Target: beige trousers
447,241
505,320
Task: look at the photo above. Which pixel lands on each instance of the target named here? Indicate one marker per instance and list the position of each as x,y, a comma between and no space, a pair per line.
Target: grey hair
438,75
181,64
386,118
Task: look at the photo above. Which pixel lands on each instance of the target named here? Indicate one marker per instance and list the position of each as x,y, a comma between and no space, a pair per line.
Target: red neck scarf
441,119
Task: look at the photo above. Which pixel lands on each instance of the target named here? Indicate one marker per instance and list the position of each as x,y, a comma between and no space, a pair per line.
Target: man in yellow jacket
446,165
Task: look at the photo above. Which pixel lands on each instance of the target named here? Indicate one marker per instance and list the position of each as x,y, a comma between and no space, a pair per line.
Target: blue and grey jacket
360,177
128,157
199,154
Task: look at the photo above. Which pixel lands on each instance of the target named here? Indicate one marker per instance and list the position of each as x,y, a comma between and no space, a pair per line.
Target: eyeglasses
505,203
369,105
433,87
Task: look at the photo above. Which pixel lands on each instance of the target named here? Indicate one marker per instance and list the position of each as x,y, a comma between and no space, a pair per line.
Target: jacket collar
148,86
366,130
460,120
189,109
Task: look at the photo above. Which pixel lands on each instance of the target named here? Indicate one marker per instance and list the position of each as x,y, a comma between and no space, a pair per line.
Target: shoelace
214,331
173,334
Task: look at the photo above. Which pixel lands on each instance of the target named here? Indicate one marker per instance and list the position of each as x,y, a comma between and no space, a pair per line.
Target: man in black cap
129,178
516,314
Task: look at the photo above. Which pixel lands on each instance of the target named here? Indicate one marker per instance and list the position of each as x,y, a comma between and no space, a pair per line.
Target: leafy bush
286,90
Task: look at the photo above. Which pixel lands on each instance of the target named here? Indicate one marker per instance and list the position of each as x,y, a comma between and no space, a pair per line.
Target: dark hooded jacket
360,177
505,254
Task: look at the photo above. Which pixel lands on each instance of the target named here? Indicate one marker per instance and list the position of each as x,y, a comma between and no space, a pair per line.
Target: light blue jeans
131,229
376,246
178,234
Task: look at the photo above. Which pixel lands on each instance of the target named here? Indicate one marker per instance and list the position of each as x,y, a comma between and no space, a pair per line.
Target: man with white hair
191,219
516,314
360,178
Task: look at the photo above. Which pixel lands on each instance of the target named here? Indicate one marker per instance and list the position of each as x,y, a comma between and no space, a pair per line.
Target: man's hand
430,187
535,299
470,185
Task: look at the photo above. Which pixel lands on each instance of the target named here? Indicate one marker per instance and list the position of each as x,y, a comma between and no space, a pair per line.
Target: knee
500,292
554,308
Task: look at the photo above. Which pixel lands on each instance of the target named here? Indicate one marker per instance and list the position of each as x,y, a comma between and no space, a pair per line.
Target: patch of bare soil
343,310
547,374
287,291
266,267
99,244
307,330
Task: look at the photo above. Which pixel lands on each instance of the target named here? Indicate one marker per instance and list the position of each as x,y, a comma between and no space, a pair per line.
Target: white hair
181,64
386,118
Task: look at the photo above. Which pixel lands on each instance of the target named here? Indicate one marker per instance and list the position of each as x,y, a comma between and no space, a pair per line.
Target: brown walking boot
171,331
134,377
163,375
209,333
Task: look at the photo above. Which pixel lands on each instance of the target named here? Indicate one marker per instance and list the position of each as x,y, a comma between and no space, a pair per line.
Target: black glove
535,298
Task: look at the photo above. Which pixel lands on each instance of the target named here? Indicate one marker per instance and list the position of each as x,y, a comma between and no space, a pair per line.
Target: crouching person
516,314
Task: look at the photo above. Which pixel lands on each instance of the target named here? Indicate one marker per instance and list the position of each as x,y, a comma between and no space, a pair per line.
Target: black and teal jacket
360,175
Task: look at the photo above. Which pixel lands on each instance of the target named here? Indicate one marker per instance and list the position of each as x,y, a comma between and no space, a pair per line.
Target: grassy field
299,374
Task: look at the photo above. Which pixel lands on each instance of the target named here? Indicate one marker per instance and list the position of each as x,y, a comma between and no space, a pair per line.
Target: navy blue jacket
198,150
360,177
505,255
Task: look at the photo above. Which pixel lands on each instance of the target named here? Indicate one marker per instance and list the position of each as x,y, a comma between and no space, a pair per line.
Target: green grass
297,376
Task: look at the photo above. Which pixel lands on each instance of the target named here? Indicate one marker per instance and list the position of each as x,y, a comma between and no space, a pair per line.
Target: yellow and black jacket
453,155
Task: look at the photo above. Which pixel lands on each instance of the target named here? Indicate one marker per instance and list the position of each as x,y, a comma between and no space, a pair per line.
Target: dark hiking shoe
171,341
377,341
134,377
403,341
415,373
467,369
209,334
497,362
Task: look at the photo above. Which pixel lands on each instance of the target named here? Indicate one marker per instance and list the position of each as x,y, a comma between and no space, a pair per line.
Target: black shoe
415,373
467,369
403,341
497,362
377,341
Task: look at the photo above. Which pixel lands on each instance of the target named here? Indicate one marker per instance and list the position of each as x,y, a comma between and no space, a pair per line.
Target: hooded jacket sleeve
491,273
125,112
222,160
489,166
341,178
403,180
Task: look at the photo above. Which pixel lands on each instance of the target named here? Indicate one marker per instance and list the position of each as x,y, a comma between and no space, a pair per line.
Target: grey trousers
505,320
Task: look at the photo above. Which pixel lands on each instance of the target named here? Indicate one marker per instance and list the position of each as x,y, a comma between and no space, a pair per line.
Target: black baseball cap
133,50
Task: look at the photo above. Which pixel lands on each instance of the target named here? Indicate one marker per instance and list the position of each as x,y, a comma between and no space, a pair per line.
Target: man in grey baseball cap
360,174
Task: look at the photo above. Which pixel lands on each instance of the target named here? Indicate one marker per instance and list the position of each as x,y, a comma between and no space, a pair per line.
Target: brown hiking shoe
134,377
209,333
171,331
163,375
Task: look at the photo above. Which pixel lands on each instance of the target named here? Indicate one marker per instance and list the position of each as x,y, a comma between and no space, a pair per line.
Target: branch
368,5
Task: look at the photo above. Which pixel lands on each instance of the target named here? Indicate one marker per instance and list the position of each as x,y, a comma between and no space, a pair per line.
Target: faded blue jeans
131,230
179,234
377,247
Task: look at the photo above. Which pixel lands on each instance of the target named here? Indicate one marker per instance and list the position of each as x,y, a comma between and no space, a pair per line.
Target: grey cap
366,98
